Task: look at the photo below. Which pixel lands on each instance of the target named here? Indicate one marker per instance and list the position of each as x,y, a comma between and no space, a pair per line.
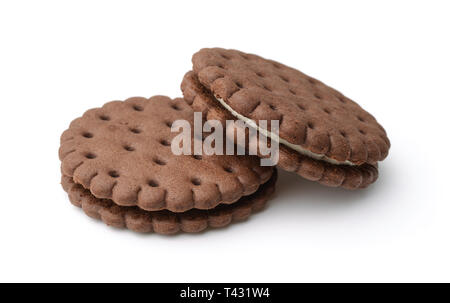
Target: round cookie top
314,118
122,151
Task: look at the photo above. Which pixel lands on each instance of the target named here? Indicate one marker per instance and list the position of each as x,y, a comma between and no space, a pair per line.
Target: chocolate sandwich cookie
120,155
323,135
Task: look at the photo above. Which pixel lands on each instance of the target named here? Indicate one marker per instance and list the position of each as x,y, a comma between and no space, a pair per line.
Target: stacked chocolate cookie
118,164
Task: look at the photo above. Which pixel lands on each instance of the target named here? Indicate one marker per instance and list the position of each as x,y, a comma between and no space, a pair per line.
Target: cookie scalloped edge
348,177
209,65
166,222
102,185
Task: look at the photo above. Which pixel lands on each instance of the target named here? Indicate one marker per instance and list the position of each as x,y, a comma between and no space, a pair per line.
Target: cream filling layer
277,138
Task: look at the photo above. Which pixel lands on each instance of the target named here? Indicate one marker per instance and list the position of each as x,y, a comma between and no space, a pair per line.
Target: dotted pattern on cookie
122,152
312,114
349,177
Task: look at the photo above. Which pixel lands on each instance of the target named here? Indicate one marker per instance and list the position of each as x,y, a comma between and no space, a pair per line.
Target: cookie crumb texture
166,222
311,114
122,152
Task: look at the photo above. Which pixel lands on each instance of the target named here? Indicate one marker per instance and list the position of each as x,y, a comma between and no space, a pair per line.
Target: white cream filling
277,138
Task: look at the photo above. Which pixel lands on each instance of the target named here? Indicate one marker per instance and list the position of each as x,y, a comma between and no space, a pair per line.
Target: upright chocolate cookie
122,152
324,136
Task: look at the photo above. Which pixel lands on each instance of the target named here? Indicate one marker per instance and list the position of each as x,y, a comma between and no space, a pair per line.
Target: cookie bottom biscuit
166,222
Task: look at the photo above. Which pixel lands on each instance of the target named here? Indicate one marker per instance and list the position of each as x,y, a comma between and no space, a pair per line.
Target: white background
60,58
